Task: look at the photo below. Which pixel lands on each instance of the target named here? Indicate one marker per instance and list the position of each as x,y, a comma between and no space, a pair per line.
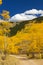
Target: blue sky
19,6
22,9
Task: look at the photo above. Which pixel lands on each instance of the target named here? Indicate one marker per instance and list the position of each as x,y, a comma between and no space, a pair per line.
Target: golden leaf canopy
0,2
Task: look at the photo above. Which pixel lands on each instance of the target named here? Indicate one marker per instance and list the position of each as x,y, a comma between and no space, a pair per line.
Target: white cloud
27,15
34,11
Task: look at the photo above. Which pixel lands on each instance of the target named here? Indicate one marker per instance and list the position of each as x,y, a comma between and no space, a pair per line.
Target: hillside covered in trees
22,37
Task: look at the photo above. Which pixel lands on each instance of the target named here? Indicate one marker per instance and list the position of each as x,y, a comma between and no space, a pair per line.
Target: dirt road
24,61
31,62
18,60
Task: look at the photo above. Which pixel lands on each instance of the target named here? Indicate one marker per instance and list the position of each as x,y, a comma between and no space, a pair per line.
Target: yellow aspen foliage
28,39
5,14
0,2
